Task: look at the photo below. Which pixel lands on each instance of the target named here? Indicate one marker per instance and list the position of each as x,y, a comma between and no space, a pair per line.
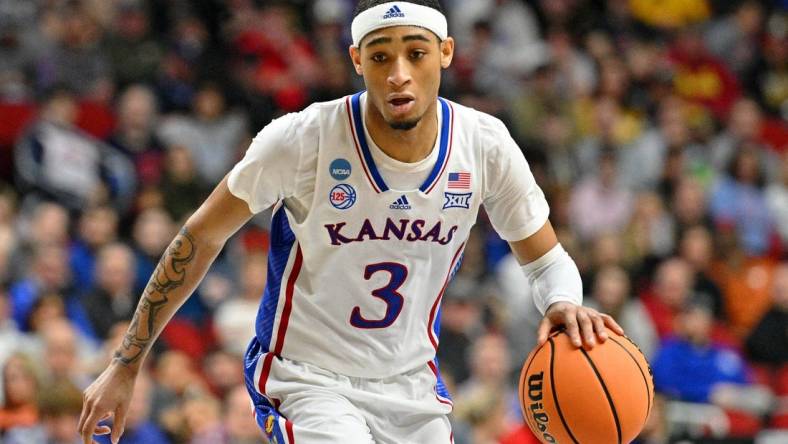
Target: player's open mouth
401,104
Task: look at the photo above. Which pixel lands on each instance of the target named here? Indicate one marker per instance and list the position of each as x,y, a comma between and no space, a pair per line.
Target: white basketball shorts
299,403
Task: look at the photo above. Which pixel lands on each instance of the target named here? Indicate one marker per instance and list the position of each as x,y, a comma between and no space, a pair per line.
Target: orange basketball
601,396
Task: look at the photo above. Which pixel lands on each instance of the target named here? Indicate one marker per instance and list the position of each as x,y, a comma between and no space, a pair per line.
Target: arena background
655,127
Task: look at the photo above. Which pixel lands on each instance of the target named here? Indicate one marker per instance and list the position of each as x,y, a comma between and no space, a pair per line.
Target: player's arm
178,273
558,289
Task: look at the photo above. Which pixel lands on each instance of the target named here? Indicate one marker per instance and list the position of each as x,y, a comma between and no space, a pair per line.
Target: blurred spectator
460,325
63,354
646,163
98,226
700,77
113,298
688,205
770,78
181,188
697,248
240,426
734,38
131,49
214,135
768,342
490,365
777,201
223,371
513,46
49,274
134,133
235,318
176,382
47,309
606,251
55,160
202,420
599,203
191,56
656,430
672,291
745,126
650,231
10,336
670,14
330,40
574,69
60,405
745,282
153,230
20,47
522,317
690,367
45,224
611,295
283,64
75,57
20,390
543,115
738,199
485,411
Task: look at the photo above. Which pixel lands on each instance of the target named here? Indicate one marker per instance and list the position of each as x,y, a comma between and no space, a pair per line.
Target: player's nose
399,75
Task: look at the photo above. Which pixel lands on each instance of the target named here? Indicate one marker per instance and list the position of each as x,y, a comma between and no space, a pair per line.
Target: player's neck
404,145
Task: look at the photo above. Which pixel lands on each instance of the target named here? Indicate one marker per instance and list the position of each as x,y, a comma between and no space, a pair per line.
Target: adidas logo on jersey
401,204
394,12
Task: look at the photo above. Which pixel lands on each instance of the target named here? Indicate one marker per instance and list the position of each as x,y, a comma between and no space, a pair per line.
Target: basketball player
373,199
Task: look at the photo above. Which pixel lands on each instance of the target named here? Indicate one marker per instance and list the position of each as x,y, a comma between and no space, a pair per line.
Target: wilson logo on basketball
536,407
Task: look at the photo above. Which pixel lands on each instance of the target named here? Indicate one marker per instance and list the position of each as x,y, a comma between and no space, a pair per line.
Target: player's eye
378,58
417,54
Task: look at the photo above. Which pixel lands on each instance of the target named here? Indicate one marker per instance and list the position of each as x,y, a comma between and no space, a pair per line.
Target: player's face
401,66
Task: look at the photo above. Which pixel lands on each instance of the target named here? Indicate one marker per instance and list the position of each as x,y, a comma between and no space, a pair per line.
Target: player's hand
108,396
585,326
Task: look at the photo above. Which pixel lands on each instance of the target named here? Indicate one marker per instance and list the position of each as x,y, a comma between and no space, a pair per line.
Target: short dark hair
363,5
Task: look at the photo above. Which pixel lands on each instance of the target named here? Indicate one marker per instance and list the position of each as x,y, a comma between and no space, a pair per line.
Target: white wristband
554,277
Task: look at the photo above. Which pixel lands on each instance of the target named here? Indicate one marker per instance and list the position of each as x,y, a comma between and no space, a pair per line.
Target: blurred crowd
657,129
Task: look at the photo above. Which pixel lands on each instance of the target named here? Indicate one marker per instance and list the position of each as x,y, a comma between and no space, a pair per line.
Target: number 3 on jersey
398,273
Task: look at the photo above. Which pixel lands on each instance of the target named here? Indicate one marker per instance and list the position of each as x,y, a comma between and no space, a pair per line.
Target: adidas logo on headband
394,12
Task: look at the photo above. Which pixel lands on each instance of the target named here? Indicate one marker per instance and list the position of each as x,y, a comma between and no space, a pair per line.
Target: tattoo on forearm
170,274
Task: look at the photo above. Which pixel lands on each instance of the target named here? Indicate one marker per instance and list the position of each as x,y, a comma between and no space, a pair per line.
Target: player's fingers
101,430
543,331
119,424
599,327
89,426
586,328
87,407
83,415
612,324
572,329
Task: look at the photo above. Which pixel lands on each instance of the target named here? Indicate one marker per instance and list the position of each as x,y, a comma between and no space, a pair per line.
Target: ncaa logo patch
339,169
457,200
342,196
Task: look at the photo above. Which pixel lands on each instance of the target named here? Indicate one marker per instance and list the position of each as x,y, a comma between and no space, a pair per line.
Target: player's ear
355,57
447,52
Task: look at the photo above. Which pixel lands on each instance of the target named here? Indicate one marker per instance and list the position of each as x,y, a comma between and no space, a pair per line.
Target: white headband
398,14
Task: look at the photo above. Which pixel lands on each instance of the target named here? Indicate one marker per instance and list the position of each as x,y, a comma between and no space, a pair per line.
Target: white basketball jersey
356,277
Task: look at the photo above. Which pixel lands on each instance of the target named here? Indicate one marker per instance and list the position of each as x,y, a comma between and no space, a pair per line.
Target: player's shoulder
486,128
